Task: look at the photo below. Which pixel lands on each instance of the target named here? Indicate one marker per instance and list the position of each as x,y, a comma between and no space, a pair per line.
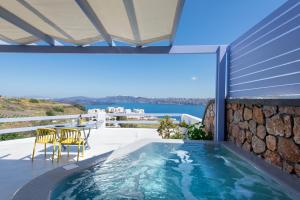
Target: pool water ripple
172,171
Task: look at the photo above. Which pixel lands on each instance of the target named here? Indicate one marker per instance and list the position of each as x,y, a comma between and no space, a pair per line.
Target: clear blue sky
202,22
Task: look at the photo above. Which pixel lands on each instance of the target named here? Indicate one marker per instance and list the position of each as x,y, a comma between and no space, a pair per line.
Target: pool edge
47,181
50,179
287,181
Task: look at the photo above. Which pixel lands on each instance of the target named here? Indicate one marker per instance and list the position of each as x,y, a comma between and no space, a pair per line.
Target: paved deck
16,167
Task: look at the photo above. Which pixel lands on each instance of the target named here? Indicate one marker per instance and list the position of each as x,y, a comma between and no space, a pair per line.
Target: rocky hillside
22,107
131,99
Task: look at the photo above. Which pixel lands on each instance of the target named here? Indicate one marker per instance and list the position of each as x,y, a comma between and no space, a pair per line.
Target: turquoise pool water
172,171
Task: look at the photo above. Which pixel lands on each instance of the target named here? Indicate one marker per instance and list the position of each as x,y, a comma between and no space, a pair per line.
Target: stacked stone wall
209,118
265,128
270,132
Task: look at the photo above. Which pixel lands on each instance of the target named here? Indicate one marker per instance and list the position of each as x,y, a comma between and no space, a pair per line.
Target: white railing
40,118
102,118
43,118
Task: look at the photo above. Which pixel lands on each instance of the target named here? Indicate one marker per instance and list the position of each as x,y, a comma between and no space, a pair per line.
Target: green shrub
177,135
121,118
183,124
11,136
80,107
196,132
128,125
50,113
167,128
34,101
58,109
17,100
8,136
109,124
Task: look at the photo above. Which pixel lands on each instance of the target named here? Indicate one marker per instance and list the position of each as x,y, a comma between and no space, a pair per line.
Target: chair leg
54,146
45,150
33,151
59,152
68,150
78,152
83,146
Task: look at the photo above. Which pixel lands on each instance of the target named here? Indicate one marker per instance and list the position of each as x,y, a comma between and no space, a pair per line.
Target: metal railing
102,118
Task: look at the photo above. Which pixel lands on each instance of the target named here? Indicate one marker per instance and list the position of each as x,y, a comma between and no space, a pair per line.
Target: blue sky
202,22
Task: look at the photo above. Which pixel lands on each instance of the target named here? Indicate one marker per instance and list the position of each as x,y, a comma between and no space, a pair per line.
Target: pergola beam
129,6
45,19
10,17
180,49
179,9
91,15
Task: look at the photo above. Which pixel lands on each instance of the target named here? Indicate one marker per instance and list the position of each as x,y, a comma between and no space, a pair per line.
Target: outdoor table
85,128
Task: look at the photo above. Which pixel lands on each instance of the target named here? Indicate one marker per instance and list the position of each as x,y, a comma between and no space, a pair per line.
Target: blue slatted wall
265,61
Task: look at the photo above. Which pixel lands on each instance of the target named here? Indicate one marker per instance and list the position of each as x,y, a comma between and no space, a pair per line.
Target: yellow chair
69,136
45,136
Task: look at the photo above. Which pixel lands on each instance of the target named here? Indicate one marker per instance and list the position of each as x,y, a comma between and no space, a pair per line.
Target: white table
85,128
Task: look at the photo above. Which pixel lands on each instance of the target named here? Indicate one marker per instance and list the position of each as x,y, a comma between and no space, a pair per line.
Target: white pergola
96,26
84,22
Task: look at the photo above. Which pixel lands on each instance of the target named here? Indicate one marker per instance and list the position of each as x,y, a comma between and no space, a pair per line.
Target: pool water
172,171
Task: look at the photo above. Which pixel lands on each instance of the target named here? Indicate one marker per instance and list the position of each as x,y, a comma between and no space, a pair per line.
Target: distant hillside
22,107
131,99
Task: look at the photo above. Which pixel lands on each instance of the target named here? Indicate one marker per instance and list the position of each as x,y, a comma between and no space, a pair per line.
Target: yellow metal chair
69,136
45,136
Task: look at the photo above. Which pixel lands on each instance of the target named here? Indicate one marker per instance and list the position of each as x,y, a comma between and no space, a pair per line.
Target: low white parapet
190,119
43,118
100,118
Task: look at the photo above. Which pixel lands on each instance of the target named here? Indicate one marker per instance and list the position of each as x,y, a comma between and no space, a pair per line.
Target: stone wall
272,132
209,117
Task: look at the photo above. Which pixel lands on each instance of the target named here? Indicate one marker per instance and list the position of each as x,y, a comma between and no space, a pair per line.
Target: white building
110,109
138,111
95,111
128,111
115,110
120,110
100,115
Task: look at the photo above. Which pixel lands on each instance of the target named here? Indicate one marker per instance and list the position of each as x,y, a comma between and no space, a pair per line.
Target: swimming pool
172,171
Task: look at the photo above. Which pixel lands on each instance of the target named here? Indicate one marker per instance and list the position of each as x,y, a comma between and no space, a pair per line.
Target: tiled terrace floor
16,167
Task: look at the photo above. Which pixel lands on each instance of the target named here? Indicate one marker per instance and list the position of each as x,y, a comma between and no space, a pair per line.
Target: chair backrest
45,135
69,135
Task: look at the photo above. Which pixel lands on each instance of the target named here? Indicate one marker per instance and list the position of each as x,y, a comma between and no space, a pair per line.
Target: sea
195,110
